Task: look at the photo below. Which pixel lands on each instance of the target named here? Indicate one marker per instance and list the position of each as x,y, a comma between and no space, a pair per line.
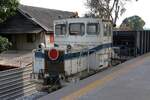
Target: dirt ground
15,58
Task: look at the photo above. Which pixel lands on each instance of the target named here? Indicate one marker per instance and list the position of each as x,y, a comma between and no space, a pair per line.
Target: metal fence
15,83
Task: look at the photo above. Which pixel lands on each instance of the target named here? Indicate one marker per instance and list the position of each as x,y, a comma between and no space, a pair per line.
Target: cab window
77,29
93,28
60,29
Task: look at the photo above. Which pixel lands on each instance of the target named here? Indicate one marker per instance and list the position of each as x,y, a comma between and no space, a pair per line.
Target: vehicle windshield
60,29
76,29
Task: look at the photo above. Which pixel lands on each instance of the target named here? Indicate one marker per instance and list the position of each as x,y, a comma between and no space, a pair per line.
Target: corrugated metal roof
30,19
44,16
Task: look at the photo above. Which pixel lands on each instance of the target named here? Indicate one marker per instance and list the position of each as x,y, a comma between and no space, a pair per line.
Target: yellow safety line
75,95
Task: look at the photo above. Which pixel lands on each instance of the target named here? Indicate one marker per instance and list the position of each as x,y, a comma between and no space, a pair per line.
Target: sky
140,8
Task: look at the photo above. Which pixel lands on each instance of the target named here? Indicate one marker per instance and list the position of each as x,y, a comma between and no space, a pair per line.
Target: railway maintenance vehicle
77,45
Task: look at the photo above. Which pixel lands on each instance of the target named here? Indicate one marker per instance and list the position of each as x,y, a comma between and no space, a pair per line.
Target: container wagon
132,43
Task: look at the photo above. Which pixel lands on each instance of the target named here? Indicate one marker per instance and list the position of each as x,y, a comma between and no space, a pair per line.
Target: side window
60,29
93,28
107,30
77,29
110,30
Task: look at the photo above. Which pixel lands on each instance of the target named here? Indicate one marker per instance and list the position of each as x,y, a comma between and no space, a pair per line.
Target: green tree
132,23
107,9
7,8
4,44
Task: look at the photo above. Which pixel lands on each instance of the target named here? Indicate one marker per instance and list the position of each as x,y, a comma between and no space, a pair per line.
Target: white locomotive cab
82,39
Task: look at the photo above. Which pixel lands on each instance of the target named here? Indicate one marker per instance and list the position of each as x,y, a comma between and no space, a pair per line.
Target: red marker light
53,54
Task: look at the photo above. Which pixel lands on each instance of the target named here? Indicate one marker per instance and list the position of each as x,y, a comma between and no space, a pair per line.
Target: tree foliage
107,9
132,23
7,8
4,44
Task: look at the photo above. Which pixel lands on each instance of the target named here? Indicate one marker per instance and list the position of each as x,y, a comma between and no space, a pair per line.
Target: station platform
127,81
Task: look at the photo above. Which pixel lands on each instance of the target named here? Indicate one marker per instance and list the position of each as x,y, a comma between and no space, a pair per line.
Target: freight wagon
132,43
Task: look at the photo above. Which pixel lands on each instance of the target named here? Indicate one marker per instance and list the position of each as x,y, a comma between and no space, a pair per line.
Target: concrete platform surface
128,81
